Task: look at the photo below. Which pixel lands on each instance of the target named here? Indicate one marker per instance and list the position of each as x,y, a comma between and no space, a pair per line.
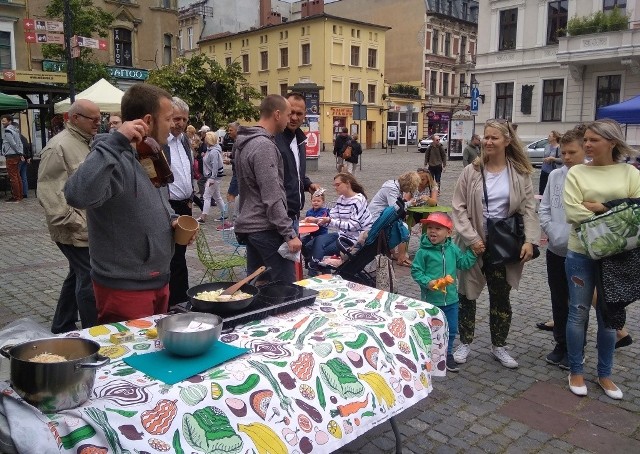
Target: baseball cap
205,128
438,218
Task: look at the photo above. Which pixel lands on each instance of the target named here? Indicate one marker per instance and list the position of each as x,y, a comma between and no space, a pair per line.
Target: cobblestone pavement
484,408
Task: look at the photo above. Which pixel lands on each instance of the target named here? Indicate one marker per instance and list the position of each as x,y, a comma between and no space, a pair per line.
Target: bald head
85,115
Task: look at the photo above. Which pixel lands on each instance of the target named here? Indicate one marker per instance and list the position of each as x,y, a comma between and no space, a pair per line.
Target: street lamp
466,88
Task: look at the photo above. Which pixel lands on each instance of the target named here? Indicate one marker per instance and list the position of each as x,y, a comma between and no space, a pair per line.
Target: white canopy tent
105,95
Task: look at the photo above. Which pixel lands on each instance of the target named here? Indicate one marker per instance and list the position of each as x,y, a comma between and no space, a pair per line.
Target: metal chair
219,267
229,238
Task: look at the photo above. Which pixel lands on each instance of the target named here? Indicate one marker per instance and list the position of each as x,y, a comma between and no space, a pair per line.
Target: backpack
346,154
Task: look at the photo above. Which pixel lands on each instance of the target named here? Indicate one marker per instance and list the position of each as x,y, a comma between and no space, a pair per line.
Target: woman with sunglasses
587,187
350,216
507,172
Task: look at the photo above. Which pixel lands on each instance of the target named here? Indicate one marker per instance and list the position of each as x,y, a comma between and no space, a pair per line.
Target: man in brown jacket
436,158
62,156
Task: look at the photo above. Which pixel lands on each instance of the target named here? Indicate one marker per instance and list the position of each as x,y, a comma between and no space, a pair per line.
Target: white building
535,76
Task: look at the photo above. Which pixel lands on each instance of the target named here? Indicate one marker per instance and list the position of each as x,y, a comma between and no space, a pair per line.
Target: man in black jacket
291,143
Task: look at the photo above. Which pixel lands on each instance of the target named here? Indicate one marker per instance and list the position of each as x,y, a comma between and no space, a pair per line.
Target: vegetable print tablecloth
315,379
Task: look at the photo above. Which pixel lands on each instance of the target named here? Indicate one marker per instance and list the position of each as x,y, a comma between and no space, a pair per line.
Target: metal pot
55,386
220,308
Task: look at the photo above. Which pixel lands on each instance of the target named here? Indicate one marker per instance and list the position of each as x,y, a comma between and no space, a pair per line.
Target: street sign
92,43
475,104
43,25
359,112
359,96
34,76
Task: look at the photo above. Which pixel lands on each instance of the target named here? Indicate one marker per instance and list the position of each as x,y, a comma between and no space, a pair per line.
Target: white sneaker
461,353
501,355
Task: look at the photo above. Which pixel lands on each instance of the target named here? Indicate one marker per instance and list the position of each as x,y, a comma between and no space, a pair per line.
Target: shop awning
11,103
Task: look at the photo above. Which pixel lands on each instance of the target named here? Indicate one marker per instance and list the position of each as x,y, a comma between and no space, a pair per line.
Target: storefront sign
341,111
128,73
54,66
34,76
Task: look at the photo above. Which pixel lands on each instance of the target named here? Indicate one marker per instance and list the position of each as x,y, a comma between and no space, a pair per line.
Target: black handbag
505,236
616,281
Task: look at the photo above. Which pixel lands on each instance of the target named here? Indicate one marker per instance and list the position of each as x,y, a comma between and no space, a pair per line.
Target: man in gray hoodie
262,223
130,220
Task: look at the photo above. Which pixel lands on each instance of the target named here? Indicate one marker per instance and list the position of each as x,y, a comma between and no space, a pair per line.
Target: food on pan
215,296
47,358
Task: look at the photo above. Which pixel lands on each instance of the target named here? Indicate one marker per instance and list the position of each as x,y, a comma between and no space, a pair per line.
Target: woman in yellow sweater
586,188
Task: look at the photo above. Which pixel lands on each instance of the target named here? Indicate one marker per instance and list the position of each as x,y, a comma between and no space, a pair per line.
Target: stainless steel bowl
179,335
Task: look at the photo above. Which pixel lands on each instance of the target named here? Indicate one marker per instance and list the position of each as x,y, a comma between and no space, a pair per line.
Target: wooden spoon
235,287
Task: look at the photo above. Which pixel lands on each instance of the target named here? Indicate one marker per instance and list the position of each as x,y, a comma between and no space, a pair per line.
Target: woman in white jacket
554,224
214,171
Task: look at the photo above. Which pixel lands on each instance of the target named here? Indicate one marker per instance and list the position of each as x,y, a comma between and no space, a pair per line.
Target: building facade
430,47
342,56
542,73
142,37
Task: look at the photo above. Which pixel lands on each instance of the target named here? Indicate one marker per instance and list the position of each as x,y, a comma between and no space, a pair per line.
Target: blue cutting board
172,369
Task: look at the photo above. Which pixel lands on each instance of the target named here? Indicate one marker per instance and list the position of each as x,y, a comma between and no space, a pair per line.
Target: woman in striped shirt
350,216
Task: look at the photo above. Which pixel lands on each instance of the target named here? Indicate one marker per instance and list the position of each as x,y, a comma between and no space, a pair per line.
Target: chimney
274,18
312,7
265,11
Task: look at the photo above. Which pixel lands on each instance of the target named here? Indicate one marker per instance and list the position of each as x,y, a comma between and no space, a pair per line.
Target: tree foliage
87,20
216,95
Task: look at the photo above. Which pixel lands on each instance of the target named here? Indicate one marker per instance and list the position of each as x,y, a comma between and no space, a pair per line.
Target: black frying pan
220,308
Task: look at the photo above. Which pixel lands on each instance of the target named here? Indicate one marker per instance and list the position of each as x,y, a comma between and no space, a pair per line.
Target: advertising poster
311,128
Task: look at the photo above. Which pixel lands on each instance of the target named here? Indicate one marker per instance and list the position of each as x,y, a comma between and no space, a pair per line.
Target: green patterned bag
611,233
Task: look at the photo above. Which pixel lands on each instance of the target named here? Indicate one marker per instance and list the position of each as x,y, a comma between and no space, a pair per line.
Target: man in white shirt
178,153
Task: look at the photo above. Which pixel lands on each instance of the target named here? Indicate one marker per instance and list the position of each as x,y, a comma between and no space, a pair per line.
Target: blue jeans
322,245
581,276
22,168
451,313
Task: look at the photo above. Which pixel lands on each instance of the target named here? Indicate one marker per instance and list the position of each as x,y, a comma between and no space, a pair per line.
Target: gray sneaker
461,353
505,359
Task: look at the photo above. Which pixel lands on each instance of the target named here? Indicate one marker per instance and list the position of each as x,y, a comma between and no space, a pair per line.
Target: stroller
387,232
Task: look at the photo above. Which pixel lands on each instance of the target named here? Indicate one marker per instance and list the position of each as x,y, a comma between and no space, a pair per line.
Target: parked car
424,143
535,151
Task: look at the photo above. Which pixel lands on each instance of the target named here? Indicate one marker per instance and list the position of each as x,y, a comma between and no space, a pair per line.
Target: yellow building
341,55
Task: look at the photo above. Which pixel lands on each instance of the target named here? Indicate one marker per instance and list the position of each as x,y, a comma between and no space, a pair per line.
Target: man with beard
130,220
262,223
178,153
291,144
64,153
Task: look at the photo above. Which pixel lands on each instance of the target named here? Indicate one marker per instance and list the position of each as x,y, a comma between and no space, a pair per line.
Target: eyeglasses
94,119
501,121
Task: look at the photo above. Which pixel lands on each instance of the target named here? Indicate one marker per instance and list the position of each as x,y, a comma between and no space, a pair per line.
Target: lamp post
382,110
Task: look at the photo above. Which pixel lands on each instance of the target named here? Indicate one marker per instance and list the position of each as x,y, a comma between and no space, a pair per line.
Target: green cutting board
172,369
